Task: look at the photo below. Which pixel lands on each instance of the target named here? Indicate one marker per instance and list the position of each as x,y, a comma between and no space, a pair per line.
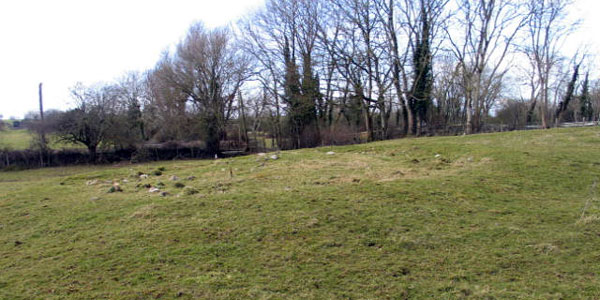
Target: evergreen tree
587,112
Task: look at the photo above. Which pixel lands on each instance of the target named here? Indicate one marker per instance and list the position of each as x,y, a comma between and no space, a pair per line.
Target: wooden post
41,103
42,130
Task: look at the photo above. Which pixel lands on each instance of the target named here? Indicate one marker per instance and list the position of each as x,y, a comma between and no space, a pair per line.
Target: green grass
15,139
494,216
21,139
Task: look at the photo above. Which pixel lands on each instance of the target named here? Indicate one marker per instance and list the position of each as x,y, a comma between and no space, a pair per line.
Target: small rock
115,188
190,178
92,182
261,154
179,185
470,159
313,222
94,199
154,190
330,153
144,176
274,157
190,191
124,181
164,194
437,156
173,178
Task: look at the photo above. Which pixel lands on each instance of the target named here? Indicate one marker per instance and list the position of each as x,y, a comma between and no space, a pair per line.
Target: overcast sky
60,42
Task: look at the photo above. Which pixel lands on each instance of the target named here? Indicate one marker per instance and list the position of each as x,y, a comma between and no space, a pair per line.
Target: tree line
304,73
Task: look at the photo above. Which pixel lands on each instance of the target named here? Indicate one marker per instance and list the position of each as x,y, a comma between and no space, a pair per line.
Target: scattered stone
164,194
470,159
190,191
261,154
154,190
330,153
145,185
179,185
94,199
115,188
274,157
173,178
437,156
312,222
144,176
92,182
124,181
190,178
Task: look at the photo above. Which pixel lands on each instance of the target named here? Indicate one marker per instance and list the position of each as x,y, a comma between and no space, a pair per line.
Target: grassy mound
511,215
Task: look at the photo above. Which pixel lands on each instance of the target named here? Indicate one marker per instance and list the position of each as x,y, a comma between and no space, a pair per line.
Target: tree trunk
92,149
469,121
244,128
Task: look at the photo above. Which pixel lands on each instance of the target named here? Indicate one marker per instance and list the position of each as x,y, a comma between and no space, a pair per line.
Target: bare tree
131,92
283,37
546,30
422,21
489,28
90,122
164,113
209,70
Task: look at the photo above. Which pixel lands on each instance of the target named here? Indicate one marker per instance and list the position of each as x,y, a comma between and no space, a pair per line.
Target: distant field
493,216
15,139
21,139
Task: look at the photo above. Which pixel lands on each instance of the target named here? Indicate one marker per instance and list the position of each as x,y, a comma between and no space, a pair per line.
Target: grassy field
20,139
492,216
15,139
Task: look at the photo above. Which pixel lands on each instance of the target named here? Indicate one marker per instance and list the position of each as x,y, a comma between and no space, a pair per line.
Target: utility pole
42,129
41,103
